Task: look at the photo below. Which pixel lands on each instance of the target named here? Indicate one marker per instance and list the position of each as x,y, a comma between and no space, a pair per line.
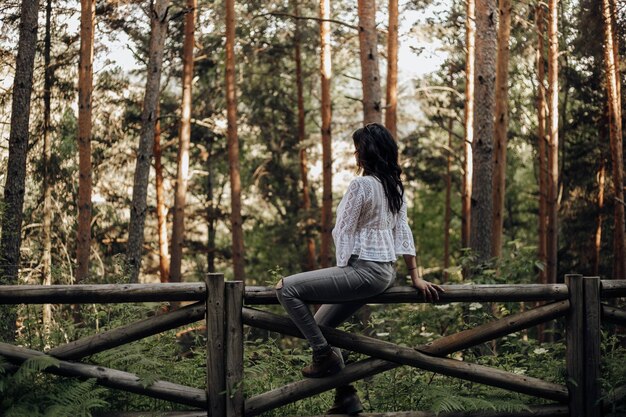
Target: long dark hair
377,155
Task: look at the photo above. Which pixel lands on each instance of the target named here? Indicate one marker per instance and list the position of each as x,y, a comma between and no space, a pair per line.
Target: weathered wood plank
119,293
498,328
150,414
613,315
101,293
130,333
534,411
408,356
454,293
575,345
112,378
591,290
234,349
613,288
215,344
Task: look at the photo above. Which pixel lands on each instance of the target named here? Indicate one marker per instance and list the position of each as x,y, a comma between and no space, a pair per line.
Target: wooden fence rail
221,305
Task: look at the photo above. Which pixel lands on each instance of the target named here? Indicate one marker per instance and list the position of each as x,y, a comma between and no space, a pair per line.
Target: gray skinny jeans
347,285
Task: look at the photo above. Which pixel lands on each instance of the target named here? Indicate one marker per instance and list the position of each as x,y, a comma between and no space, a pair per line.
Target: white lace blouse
366,227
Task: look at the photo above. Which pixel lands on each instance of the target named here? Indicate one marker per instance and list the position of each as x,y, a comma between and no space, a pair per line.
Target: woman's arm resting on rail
428,290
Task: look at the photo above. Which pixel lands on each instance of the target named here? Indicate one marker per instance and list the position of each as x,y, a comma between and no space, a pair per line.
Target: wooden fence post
234,349
215,344
593,406
575,345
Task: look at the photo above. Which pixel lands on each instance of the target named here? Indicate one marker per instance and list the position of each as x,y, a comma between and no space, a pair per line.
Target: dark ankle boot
325,362
346,401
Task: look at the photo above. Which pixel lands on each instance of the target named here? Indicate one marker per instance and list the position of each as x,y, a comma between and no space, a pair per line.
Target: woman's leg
344,286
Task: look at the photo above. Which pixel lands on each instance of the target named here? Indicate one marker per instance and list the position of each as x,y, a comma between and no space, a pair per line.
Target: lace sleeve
402,235
348,214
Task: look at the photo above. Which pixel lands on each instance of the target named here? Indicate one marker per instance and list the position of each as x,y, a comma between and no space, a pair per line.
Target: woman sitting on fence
371,230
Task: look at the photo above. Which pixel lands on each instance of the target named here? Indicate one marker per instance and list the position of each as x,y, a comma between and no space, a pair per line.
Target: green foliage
28,392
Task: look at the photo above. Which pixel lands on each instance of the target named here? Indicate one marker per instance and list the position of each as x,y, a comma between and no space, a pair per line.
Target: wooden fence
221,304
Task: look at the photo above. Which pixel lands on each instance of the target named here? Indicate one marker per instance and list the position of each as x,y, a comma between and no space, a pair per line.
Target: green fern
34,366
77,400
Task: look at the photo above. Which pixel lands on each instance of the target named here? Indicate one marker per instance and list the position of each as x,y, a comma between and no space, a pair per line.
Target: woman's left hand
429,290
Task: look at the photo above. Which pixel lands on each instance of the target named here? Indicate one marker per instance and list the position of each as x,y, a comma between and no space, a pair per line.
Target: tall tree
15,185
182,175
615,134
161,210
370,76
85,90
327,164
233,145
502,125
470,58
47,155
448,201
553,149
482,205
158,32
600,221
391,102
541,139
306,198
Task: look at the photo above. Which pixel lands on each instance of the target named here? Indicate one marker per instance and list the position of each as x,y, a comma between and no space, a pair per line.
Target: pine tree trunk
502,125
391,101
164,256
615,134
600,221
466,203
16,167
448,207
158,32
182,175
47,155
618,77
306,198
553,132
368,47
211,210
85,90
233,145
327,165
482,201
541,139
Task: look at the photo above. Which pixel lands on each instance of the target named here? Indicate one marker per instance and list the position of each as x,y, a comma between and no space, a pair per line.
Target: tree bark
448,207
553,132
327,164
615,135
370,76
14,187
470,40
161,210
233,146
158,32
47,154
541,139
182,175
598,238
502,125
211,209
482,205
618,77
391,102
85,91
306,198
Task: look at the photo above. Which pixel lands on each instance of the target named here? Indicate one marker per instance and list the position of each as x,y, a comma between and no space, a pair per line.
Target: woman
371,230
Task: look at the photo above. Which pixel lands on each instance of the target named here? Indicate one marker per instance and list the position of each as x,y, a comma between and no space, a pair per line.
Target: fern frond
33,366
